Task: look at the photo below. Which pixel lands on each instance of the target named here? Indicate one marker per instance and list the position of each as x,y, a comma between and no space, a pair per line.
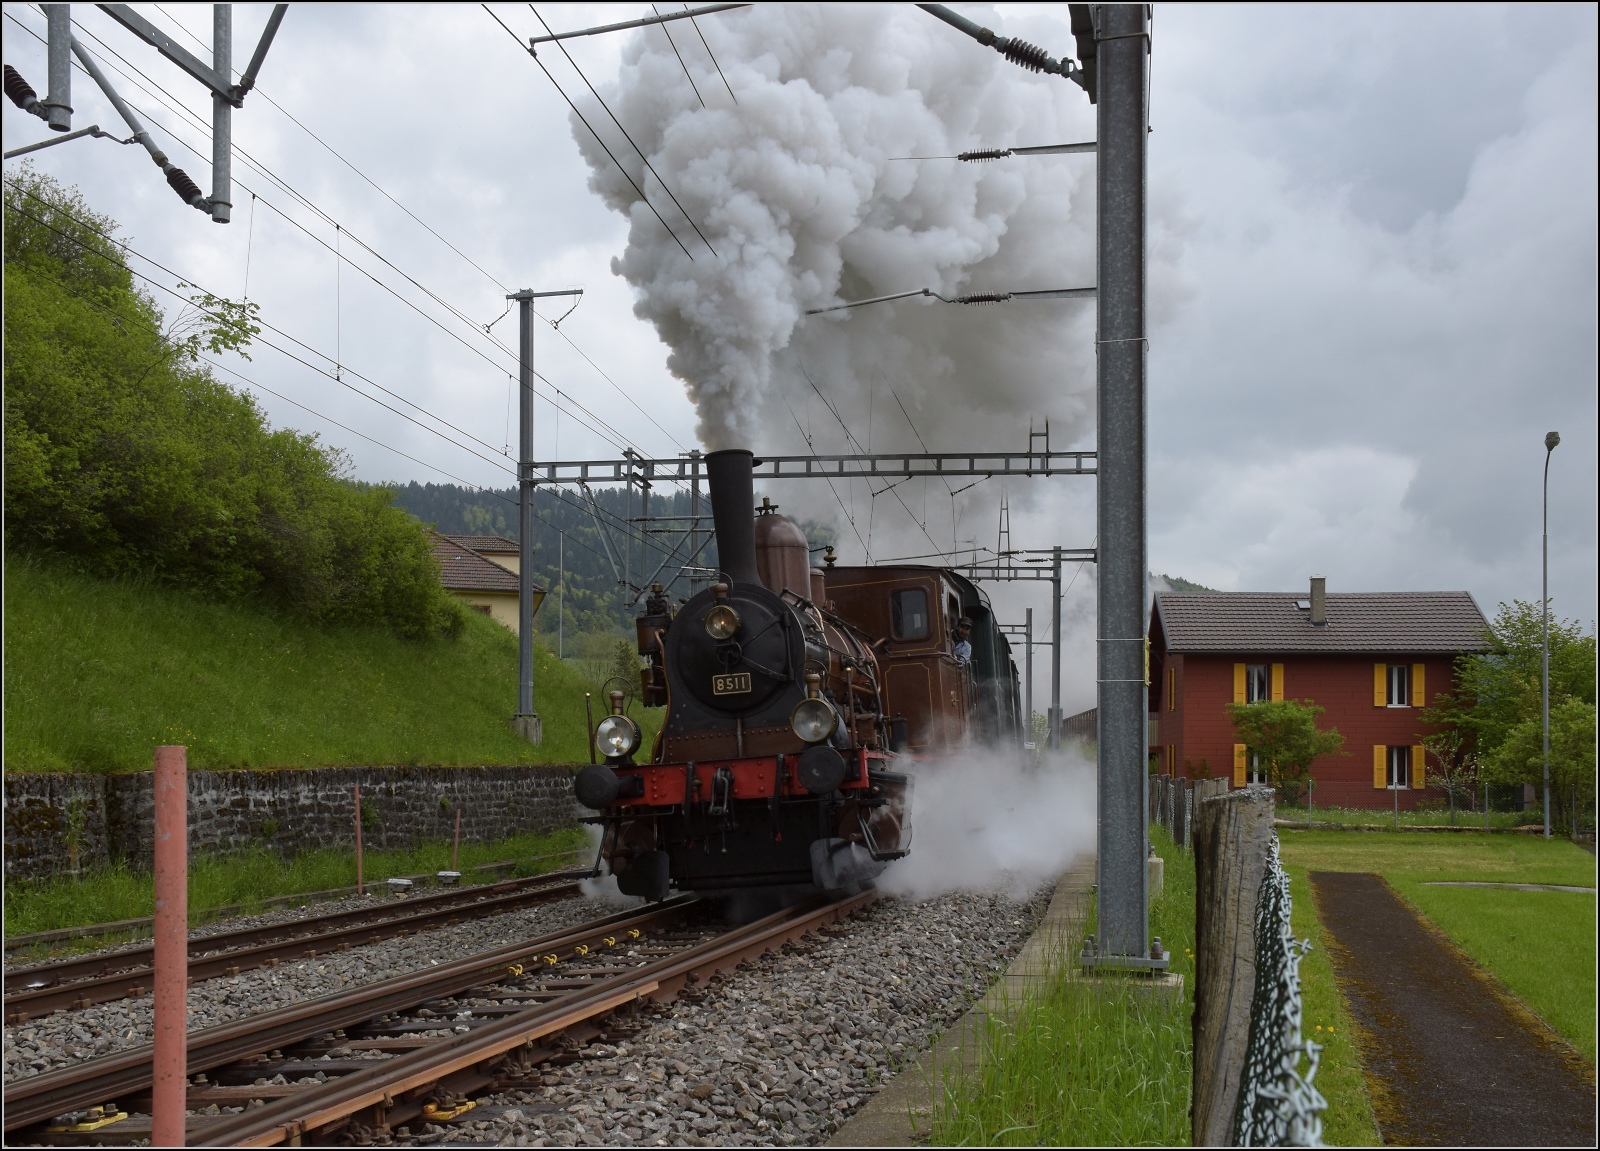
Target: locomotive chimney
733,508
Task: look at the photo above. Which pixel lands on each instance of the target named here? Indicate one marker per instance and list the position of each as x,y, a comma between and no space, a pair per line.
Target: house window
908,614
1258,770
481,608
1399,767
1257,682
1399,686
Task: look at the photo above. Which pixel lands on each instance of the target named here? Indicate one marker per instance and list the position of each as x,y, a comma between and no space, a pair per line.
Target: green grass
1385,817
1087,1062
99,672
1538,945
251,877
1348,1121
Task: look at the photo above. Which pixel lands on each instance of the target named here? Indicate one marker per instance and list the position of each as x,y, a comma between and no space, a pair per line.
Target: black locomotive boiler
780,760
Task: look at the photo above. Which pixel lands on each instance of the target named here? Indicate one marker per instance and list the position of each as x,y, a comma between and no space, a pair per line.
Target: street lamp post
1551,439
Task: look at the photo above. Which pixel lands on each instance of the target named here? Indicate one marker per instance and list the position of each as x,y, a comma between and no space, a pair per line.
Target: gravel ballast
778,1053
66,1037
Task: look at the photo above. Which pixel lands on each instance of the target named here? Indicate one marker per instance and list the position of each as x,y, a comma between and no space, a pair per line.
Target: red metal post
170,1059
455,849
360,887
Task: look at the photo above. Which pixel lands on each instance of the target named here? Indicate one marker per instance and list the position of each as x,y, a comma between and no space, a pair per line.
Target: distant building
495,549
1372,660
485,576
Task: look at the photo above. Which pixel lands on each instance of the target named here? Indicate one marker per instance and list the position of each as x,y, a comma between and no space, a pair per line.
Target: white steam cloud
984,822
801,189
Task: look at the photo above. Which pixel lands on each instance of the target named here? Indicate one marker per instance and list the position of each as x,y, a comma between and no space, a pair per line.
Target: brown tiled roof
462,569
486,545
1422,621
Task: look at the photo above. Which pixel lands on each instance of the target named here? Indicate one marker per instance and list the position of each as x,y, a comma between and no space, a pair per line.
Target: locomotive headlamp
722,622
813,720
616,736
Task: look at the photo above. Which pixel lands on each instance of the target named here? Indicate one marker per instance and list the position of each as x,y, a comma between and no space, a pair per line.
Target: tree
1496,709
1520,757
1455,763
1284,737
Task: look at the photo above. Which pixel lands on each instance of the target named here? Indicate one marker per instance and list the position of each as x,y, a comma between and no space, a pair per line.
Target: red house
1373,660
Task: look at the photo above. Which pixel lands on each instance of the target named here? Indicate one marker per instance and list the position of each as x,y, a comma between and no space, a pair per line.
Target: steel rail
84,982
397,1088
124,1073
138,981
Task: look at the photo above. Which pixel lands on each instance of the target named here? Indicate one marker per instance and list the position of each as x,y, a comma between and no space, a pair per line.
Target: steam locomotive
796,699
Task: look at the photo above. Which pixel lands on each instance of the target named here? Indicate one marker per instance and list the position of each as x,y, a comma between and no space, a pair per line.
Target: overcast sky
1372,269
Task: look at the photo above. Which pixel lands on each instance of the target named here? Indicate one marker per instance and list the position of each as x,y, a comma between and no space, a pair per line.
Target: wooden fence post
1231,835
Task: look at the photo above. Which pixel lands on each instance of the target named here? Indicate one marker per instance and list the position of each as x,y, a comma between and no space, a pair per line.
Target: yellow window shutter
1380,766
1172,689
1380,685
1277,683
1238,765
1419,771
1419,692
1238,683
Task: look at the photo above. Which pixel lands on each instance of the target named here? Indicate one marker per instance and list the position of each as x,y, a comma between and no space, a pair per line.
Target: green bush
126,456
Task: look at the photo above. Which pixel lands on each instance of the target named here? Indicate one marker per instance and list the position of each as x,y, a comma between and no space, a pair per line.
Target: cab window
908,614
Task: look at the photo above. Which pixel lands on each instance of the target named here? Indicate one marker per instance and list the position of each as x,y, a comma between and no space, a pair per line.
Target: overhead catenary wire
624,131
290,355
710,53
257,386
626,174
675,52
553,325
613,435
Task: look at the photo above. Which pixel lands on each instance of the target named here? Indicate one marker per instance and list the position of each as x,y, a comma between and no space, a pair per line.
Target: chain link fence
1278,1106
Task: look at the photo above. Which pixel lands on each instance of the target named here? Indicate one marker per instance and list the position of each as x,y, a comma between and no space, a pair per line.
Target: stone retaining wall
56,823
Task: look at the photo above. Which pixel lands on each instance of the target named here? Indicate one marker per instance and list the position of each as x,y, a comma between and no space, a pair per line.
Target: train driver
962,650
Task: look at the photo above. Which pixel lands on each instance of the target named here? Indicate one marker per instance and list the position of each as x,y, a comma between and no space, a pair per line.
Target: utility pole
526,721
1053,740
561,595
1122,51
1028,691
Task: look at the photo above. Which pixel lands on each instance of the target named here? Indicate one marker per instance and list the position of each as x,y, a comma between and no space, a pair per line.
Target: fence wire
1278,1106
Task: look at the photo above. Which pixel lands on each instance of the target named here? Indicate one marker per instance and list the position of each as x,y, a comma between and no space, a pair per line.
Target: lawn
1539,945
98,672
251,877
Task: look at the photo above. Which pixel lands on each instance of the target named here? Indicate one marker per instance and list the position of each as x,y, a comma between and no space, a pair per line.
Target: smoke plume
801,189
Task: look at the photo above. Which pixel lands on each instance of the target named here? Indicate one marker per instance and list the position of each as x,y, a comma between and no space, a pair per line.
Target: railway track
32,992
409,1050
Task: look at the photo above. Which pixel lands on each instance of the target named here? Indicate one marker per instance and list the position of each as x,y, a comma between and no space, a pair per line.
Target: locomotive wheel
822,769
647,875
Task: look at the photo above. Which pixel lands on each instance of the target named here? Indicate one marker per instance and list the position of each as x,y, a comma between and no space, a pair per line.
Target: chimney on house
1319,601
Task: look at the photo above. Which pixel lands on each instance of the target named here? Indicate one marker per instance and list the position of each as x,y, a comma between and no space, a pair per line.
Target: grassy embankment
248,879
1097,1063
98,672
1538,944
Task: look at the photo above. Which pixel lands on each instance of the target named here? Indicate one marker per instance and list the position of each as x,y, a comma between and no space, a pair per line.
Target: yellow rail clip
436,1114
552,959
581,949
610,941
514,968
96,1118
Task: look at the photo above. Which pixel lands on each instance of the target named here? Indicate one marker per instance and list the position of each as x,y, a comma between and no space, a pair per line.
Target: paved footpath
1448,1058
